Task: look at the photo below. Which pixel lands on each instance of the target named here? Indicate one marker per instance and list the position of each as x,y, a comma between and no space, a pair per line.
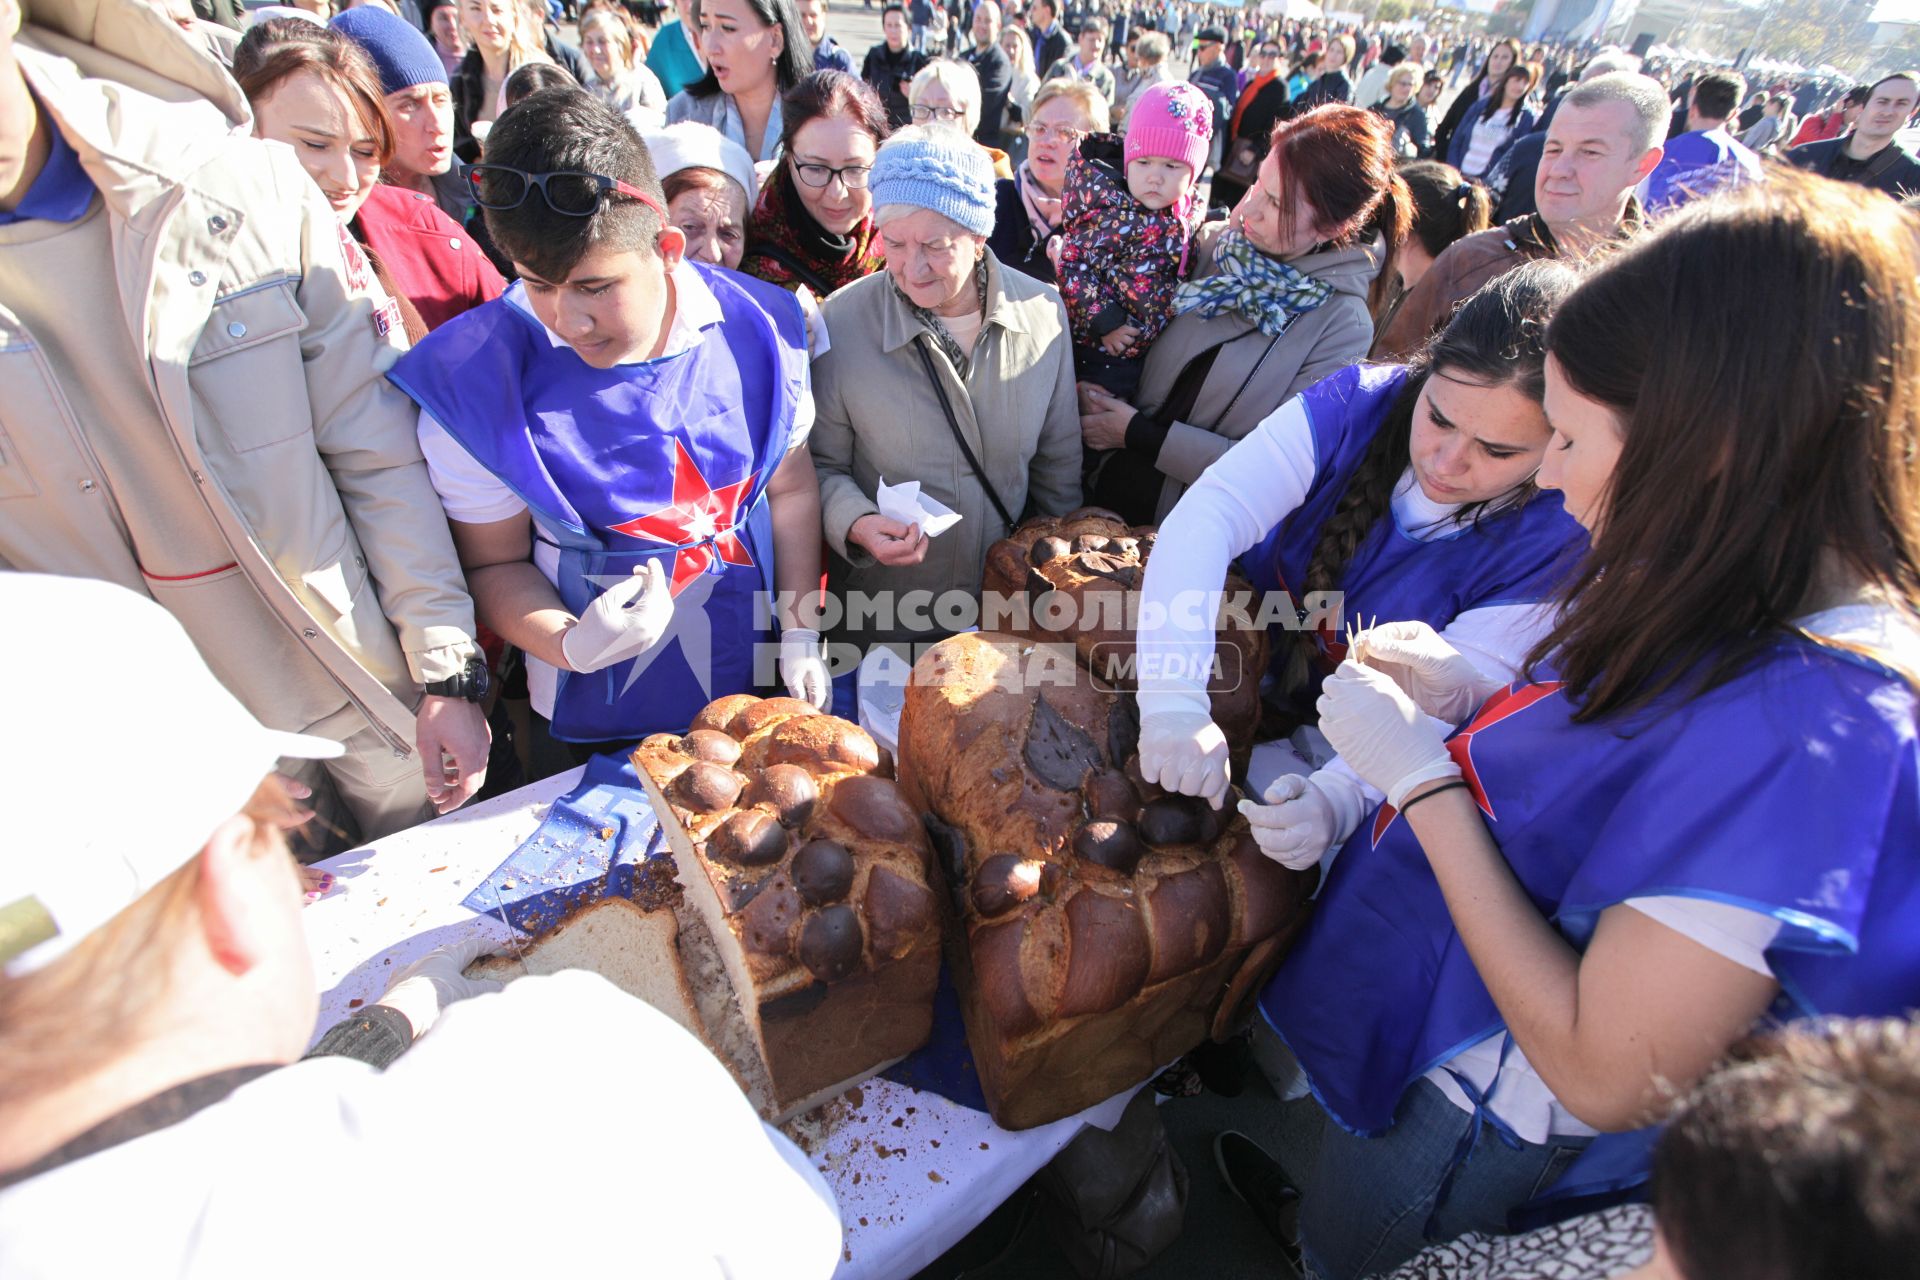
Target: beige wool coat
310,562
879,416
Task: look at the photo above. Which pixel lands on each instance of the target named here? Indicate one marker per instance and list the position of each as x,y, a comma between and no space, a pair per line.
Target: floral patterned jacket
1119,261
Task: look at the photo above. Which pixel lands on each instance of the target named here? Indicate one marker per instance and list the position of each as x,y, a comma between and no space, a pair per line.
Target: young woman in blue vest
1407,489
1699,809
620,442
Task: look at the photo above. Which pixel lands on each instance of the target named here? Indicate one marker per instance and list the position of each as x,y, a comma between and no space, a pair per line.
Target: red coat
429,256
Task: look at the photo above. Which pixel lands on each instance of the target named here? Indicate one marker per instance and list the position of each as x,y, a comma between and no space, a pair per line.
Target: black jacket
884,70
1013,241
995,70
1890,170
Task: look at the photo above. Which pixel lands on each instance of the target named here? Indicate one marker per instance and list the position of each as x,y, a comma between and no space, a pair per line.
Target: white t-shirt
473,495
1521,1098
557,1128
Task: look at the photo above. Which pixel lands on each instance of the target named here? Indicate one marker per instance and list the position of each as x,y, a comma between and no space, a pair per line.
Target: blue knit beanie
402,54
936,167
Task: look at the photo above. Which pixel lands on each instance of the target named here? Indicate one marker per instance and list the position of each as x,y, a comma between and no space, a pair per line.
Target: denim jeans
1368,1204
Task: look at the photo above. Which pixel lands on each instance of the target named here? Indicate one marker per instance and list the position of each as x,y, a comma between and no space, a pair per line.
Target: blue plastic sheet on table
944,1064
586,849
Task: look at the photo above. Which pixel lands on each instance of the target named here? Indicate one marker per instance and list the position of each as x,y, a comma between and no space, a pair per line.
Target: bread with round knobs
810,873
1097,921
1076,578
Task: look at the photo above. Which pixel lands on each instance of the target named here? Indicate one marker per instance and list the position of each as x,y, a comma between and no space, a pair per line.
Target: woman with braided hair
1407,491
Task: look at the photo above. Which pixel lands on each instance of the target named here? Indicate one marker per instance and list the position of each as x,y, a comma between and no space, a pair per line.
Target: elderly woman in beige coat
943,355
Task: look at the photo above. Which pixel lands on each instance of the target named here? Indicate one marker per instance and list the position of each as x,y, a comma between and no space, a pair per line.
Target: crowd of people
399,406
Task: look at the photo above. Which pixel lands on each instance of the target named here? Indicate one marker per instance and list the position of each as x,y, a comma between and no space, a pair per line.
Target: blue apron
1515,556
667,459
1790,790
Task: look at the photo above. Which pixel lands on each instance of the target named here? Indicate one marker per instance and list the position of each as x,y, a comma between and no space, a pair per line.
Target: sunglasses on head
570,192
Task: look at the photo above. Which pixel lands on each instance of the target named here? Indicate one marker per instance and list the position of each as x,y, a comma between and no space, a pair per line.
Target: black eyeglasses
822,175
576,194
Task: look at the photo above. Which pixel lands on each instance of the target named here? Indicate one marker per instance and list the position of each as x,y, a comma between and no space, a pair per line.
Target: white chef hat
120,755
688,145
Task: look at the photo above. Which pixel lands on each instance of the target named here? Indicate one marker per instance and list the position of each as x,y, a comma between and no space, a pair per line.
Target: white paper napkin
905,503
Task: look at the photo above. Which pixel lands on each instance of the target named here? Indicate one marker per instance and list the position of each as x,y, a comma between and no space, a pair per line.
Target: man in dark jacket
1869,155
1049,38
892,63
995,69
1220,82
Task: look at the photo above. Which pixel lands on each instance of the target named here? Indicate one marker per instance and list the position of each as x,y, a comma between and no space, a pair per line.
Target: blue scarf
1264,290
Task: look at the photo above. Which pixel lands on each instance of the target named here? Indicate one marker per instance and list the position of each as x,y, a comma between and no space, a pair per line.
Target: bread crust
810,872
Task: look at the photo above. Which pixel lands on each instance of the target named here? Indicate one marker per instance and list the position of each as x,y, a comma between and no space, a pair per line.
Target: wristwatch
472,683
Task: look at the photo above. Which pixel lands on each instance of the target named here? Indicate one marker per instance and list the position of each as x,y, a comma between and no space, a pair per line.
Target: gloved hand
1380,733
803,668
627,620
1438,677
1184,751
1296,826
434,981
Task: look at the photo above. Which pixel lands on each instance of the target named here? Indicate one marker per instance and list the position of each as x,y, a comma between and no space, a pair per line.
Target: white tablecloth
912,1172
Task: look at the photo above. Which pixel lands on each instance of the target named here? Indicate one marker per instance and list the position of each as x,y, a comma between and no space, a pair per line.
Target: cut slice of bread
661,954
635,949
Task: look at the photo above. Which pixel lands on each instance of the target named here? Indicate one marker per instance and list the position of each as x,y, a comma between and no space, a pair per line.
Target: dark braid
1496,338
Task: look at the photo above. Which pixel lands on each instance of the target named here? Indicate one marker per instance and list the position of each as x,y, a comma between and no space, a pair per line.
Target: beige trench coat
267,369
879,416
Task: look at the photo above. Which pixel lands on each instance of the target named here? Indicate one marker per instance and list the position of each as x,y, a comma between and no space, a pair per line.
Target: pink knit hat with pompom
1173,120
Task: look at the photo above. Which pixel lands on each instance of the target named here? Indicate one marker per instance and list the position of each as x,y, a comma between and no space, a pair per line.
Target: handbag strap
953,425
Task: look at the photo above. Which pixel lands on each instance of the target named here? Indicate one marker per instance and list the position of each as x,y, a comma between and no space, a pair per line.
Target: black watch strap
472,683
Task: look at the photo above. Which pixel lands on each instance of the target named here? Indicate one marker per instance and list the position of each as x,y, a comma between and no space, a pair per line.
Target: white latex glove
1440,679
803,668
434,981
1296,826
1184,751
1380,733
627,620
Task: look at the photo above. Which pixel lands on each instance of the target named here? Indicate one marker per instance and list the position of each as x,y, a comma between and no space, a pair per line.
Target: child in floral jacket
1127,217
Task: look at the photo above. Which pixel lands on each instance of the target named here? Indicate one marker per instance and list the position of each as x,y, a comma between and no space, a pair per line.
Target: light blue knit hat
939,168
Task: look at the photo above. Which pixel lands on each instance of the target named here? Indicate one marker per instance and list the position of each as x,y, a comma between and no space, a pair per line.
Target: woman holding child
1277,300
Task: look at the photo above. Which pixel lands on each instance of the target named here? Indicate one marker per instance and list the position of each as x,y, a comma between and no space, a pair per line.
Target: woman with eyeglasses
947,92
812,226
756,50
1027,206
1408,116
1261,105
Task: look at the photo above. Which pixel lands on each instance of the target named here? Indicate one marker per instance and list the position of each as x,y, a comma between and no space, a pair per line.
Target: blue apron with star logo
666,459
1511,556
1792,790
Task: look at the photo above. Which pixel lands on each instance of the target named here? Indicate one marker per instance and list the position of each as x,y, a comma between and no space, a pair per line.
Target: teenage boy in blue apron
620,442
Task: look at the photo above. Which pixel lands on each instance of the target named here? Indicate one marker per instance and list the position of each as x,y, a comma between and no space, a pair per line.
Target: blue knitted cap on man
401,53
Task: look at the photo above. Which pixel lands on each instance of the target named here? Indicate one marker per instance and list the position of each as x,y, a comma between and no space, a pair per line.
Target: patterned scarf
948,344
1043,210
785,246
1264,290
